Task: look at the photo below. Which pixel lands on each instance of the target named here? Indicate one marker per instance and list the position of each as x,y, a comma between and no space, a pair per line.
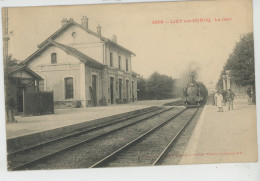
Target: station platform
223,137
65,117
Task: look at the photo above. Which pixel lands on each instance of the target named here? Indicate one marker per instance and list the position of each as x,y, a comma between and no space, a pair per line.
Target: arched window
53,58
69,88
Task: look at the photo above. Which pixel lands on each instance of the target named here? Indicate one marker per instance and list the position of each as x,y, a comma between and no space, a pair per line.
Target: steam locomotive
195,93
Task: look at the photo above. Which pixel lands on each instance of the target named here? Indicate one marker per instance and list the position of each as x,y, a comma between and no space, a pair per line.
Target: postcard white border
244,171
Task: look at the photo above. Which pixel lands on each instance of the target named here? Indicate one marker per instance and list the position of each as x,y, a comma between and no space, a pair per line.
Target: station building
83,67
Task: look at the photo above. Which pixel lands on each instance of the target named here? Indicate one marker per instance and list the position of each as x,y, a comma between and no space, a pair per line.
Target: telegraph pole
5,57
5,35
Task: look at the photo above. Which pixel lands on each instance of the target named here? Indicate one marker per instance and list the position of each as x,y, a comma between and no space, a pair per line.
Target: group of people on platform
220,98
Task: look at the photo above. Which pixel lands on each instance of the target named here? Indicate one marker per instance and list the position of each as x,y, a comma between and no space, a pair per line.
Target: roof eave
56,33
26,69
33,73
28,59
126,50
134,73
94,65
72,22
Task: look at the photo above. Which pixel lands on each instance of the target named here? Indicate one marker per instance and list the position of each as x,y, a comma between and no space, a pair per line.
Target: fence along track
34,161
35,103
115,153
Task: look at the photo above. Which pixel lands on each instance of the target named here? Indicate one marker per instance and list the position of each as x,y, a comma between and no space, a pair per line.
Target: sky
169,48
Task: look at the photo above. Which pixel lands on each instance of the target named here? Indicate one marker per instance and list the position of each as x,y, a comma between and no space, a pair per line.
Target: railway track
28,157
176,151
175,103
151,147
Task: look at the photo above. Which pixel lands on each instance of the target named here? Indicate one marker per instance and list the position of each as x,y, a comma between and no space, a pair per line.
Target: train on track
195,93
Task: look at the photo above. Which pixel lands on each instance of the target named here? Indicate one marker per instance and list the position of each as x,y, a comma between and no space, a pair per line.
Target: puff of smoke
183,81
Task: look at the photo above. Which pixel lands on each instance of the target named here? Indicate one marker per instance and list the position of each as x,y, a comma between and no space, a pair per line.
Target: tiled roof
72,22
21,67
15,68
72,51
83,57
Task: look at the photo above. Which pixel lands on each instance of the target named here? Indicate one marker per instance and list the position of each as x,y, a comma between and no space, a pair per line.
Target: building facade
80,65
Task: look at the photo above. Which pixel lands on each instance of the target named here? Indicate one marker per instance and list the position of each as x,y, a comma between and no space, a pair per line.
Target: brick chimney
64,21
84,22
99,30
114,38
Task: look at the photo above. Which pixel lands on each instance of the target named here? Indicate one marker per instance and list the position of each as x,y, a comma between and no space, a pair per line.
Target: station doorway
127,90
133,91
94,89
120,90
112,90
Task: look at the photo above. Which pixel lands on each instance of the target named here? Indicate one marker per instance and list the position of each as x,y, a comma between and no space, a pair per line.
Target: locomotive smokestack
191,77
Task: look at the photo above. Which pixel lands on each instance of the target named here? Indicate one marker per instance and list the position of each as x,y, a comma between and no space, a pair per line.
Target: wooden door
94,88
112,90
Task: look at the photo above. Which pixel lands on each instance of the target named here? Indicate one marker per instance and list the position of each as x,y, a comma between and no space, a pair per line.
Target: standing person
213,98
230,97
249,95
10,105
219,101
224,94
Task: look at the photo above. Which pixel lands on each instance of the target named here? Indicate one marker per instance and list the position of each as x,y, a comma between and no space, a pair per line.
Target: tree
9,101
142,88
241,63
156,87
203,89
12,61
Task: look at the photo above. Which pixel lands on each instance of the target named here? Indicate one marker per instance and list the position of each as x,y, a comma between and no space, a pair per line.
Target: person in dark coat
213,98
10,105
230,97
224,94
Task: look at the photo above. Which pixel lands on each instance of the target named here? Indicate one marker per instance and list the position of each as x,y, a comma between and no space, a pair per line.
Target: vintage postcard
130,84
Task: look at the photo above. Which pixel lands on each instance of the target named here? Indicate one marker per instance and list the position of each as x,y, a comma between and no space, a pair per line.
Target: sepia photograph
129,85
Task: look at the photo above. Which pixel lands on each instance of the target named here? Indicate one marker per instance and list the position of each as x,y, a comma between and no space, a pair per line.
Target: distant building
240,91
82,66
